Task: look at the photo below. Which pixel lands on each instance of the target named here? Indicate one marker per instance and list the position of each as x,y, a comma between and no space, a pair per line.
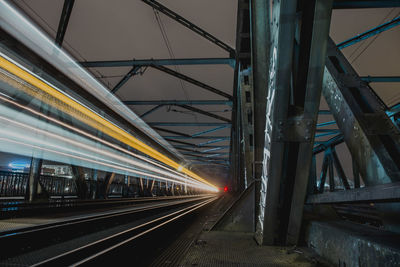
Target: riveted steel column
260,50
316,46
282,39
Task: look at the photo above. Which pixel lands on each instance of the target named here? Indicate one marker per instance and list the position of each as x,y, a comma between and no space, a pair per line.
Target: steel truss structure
275,141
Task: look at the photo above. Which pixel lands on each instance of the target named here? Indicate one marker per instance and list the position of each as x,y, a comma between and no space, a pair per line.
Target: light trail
7,99
73,142
111,166
51,96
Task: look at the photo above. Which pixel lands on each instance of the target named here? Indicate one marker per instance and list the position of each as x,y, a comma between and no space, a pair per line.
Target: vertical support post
282,39
331,176
80,182
322,10
356,174
325,164
260,54
312,181
339,169
33,179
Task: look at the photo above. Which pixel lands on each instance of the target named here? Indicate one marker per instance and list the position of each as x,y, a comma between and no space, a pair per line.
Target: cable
375,37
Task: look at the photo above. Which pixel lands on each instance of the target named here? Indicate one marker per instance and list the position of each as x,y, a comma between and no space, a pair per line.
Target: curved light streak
77,143
126,170
87,116
7,99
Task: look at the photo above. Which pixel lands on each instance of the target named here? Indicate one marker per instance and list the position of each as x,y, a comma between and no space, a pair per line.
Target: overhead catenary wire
373,39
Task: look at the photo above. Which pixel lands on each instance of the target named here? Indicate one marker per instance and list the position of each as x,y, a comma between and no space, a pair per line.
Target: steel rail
91,218
165,219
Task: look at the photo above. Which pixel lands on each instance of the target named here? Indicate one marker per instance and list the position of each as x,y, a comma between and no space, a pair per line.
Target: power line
369,44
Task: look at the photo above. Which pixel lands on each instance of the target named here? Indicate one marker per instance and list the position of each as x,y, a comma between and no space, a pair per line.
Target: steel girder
346,4
168,12
126,78
291,114
163,62
260,44
190,124
177,102
197,137
381,79
205,113
191,80
150,111
377,30
64,19
245,88
370,135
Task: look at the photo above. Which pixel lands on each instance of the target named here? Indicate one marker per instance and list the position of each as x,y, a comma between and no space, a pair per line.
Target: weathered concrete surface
221,248
350,244
240,216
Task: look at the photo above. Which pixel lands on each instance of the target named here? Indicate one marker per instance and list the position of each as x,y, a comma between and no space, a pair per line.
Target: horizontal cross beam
205,113
155,62
381,79
347,4
196,137
191,80
178,102
190,124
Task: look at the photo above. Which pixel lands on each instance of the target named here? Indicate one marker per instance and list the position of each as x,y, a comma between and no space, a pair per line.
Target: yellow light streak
55,98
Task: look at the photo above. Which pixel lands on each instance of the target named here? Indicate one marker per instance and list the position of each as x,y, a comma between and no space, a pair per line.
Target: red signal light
225,189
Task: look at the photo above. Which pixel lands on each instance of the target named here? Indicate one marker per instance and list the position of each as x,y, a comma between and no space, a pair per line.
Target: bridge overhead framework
286,113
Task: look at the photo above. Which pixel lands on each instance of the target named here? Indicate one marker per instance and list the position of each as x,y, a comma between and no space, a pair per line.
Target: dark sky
127,29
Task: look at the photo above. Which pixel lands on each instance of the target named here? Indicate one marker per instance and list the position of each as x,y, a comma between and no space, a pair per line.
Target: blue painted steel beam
347,4
206,159
323,124
325,134
226,164
216,148
64,19
204,153
163,62
189,124
150,111
324,112
381,79
381,28
197,137
178,102
328,130
210,131
191,146
131,73
393,110
211,142
205,113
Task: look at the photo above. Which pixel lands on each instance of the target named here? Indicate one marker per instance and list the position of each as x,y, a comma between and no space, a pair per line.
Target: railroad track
95,250
150,216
